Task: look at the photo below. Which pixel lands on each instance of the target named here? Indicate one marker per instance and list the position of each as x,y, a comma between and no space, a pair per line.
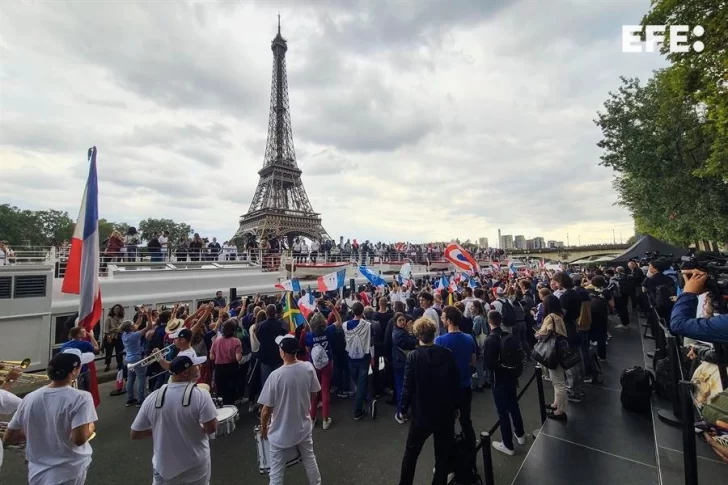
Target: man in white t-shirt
179,417
8,402
164,243
426,301
286,420
57,421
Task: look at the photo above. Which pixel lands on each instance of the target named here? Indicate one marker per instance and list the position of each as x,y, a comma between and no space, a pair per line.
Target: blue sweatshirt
683,321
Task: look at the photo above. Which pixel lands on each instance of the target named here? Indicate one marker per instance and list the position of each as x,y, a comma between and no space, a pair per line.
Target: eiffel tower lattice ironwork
280,206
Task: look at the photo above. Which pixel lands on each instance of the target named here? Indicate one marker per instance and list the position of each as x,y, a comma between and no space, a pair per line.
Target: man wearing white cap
286,420
179,417
57,421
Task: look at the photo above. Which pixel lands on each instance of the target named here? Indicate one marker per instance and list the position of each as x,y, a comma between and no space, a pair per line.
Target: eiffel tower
280,206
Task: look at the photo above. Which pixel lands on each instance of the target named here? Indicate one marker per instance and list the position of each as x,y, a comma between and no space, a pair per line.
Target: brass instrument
6,366
155,356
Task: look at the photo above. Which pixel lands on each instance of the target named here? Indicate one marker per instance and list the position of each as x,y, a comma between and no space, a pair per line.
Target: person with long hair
553,323
322,335
226,352
112,341
481,329
403,342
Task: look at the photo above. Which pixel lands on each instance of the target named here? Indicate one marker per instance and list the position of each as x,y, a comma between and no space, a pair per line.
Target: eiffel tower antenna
280,206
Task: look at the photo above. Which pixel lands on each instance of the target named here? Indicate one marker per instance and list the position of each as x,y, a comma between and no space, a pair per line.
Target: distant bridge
570,254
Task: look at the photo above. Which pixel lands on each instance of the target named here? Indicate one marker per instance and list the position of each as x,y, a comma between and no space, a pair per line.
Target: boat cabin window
63,324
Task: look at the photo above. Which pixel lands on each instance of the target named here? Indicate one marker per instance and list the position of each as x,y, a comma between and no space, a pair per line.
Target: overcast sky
412,120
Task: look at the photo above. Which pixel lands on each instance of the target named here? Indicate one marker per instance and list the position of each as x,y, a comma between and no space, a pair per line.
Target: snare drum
226,418
293,456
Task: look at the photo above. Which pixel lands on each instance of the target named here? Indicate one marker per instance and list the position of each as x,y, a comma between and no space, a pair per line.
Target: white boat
34,311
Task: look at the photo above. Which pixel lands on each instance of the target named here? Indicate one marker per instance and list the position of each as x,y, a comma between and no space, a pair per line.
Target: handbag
545,352
567,357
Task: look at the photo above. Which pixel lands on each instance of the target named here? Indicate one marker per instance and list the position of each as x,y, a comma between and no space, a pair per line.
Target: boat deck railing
140,258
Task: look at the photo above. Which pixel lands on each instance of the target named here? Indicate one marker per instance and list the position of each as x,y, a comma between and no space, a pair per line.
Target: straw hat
173,325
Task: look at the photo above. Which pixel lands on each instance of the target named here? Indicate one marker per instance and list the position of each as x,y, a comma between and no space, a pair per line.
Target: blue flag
373,277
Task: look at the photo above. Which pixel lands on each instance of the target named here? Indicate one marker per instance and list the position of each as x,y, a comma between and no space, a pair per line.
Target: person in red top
226,352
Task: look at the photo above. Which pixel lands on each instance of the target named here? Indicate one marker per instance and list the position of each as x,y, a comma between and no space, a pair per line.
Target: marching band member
286,399
57,421
9,402
179,417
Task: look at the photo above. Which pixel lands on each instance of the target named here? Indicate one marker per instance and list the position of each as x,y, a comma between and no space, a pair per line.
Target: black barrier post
690,459
541,395
673,417
487,459
352,286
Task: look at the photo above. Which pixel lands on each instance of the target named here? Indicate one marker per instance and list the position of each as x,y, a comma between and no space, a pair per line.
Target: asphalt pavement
365,452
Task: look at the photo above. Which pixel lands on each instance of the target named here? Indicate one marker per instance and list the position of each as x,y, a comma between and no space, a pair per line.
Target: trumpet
155,356
6,366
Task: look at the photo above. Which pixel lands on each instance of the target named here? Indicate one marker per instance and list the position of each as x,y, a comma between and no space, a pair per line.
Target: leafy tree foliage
656,137
702,75
177,230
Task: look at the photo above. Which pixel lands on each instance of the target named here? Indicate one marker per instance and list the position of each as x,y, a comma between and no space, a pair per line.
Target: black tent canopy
648,244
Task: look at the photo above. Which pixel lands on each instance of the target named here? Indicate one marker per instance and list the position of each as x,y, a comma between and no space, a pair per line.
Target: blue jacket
683,321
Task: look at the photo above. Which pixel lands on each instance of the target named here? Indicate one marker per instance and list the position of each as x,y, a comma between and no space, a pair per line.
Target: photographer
683,320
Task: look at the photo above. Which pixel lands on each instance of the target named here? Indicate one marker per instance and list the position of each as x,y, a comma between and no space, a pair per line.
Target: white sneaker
327,423
320,405
398,418
498,445
620,327
521,439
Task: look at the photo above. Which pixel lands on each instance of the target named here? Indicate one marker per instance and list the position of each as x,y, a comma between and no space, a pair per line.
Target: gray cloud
432,120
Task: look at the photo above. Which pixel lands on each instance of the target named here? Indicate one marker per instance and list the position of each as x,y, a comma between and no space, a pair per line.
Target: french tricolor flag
332,281
82,270
307,304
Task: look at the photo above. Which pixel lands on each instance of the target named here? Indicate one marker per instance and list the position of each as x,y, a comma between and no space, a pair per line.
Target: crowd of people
428,347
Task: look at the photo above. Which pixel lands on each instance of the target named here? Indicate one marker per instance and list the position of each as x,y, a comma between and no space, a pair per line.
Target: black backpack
664,384
599,304
519,311
462,459
511,354
508,313
637,385
663,293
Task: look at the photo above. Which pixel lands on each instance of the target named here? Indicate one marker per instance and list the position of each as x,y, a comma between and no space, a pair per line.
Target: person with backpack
503,355
571,304
464,349
619,284
601,303
319,344
358,335
553,326
660,288
481,329
403,342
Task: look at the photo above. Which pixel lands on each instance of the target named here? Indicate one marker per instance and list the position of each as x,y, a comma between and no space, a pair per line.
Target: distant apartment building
500,240
551,244
539,243
529,244
483,242
520,242
506,241
559,244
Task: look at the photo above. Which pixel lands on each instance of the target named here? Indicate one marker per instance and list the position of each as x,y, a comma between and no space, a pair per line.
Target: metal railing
266,259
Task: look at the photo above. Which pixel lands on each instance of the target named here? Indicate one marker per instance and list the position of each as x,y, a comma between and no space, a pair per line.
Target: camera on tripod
651,256
715,266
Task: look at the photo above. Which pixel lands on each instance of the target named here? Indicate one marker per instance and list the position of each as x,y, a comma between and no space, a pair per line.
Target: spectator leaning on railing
683,320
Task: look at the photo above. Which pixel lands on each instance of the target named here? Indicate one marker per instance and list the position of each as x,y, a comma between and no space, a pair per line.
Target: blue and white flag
373,277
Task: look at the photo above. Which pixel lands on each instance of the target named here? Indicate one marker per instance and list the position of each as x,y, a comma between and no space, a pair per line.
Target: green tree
655,138
177,230
702,75
54,226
